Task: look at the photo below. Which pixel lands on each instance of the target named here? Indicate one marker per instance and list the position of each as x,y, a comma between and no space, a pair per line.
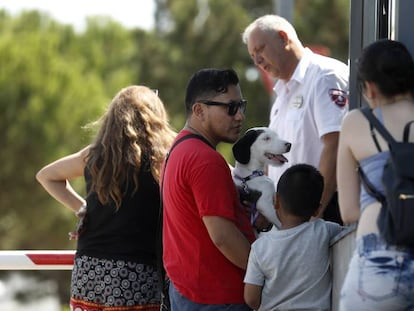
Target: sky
130,13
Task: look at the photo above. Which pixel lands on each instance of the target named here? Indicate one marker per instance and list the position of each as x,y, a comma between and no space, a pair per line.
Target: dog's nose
288,145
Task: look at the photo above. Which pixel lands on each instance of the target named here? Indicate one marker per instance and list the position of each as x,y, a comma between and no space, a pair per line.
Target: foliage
46,94
329,29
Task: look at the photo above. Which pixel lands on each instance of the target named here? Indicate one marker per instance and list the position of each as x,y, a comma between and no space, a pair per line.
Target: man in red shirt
206,232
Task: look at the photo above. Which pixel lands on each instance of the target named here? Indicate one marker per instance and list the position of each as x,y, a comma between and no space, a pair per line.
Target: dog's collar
244,180
254,213
251,176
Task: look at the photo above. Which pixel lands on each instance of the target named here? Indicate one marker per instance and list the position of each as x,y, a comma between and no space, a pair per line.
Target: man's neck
199,131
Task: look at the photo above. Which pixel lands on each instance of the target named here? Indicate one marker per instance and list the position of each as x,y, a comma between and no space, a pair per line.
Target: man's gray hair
271,22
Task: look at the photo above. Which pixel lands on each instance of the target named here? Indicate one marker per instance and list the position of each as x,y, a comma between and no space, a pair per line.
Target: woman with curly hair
115,262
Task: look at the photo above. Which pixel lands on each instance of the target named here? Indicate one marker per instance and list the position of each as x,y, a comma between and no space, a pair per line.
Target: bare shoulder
356,135
83,153
354,115
354,122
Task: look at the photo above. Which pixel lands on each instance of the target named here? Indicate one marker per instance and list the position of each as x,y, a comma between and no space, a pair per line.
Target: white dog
258,147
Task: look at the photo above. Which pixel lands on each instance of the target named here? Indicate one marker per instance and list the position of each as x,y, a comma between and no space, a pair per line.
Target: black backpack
396,219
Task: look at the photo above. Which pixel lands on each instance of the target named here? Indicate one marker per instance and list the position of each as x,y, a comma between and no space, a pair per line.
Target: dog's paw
248,196
261,224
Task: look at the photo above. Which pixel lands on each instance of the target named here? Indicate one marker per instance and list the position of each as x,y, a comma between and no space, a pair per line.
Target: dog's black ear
241,149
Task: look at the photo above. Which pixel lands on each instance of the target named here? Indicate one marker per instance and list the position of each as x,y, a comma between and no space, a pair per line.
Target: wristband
82,211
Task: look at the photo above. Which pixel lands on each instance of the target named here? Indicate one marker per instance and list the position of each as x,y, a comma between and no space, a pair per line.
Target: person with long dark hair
380,275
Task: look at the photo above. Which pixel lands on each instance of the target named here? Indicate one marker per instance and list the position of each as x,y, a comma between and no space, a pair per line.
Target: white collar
298,75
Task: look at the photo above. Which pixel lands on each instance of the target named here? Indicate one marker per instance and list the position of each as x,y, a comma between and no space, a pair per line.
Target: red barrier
36,260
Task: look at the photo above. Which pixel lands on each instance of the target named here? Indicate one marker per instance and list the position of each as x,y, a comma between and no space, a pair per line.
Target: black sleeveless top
126,234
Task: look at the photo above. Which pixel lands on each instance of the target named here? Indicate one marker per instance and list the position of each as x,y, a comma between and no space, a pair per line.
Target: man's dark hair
208,83
300,190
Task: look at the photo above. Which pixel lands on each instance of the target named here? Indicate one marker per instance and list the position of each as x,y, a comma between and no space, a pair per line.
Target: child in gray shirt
289,269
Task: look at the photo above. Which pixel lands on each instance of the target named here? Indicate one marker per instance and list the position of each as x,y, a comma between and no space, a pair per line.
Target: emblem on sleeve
339,97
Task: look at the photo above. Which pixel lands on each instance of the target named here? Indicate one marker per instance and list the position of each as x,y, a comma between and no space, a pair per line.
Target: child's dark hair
300,190
388,64
208,83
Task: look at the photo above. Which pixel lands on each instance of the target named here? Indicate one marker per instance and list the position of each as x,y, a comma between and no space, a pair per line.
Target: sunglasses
232,106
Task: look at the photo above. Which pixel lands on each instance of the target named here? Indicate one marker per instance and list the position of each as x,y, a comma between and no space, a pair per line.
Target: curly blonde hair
134,127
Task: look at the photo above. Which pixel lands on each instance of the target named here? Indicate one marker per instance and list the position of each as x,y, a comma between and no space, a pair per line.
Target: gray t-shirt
292,265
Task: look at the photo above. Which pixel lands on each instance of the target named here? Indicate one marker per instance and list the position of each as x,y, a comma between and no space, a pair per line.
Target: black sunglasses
232,106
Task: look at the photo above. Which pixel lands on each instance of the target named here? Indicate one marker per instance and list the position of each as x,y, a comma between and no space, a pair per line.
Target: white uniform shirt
311,104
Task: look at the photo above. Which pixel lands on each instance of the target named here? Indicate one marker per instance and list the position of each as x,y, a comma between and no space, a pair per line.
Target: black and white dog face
258,147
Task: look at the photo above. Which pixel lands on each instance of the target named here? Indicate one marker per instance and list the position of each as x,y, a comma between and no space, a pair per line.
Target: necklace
192,129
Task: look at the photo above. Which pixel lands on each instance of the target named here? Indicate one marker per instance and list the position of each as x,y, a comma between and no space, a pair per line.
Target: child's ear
277,201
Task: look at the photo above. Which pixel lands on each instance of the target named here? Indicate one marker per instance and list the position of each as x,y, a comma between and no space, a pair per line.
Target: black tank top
126,234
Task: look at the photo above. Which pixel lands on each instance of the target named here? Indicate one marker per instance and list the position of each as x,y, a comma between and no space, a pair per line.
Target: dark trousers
331,212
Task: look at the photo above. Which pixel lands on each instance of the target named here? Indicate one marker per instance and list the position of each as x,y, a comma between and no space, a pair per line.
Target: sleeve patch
338,97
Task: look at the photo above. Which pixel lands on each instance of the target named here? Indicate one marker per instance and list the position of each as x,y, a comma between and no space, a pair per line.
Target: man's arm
327,167
228,239
253,295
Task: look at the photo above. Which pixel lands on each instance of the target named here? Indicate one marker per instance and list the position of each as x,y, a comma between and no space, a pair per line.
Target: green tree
325,23
52,83
41,99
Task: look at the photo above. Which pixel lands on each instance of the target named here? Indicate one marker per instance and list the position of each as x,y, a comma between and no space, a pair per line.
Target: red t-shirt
198,183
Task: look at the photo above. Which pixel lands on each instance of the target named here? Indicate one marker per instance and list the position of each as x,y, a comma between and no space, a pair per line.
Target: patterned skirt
113,285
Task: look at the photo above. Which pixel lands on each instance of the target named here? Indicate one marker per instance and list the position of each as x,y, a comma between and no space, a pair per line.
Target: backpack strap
367,112
369,187
374,137
159,247
406,133
374,123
